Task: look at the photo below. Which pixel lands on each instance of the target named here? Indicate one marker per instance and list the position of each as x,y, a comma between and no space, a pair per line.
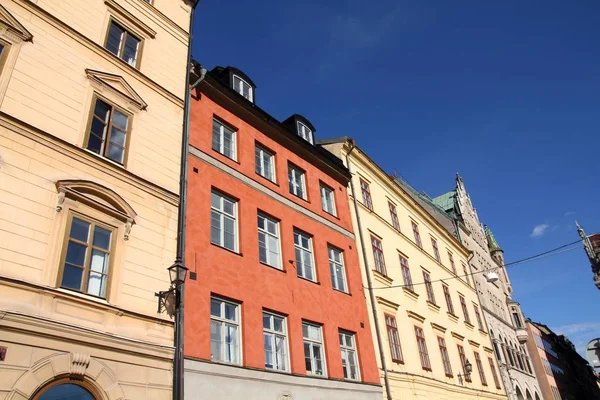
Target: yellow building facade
428,313
91,113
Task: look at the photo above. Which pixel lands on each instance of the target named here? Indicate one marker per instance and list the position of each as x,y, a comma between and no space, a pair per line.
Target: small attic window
305,133
242,87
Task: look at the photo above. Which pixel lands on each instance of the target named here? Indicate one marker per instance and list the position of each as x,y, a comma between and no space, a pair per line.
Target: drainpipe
181,219
369,281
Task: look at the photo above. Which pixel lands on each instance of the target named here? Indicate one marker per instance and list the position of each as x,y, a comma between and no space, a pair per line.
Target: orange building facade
274,302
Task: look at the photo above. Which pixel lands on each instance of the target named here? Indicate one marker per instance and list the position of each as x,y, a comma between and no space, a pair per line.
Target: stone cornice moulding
415,316
14,28
166,20
387,303
474,343
488,350
438,327
117,85
99,50
458,336
119,11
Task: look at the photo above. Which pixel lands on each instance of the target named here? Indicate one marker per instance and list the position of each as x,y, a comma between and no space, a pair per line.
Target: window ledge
342,292
410,293
483,332
305,200
311,281
398,361
272,267
469,325
82,295
221,155
108,160
386,280
433,306
453,317
450,375
226,249
266,179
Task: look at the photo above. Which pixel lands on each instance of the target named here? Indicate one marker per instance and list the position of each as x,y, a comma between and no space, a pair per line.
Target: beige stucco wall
409,381
46,91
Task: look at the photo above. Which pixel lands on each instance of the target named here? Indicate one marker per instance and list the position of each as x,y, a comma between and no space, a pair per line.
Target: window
423,354
64,389
436,251
378,255
297,182
224,139
478,317
224,331
416,233
494,373
123,44
366,194
452,262
394,216
406,273
86,257
275,340
4,47
243,88
327,199
517,319
269,251
223,221
466,273
108,131
448,299
464,308
445,357
428,287
304,255
394,338
349,358
265,163
336,266
480,369
305,133
313,349
463,361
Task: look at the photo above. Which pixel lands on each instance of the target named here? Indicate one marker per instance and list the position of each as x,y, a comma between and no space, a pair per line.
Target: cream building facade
91,112
427,308
502,313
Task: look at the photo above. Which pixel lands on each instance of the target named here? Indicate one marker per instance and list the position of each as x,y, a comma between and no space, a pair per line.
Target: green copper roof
492,243
445,201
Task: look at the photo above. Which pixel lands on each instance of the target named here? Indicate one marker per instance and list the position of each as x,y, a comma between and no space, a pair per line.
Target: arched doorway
67,390
520,394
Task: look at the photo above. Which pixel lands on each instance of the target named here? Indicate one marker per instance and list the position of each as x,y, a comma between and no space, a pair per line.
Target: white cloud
569,213
539,230
577,328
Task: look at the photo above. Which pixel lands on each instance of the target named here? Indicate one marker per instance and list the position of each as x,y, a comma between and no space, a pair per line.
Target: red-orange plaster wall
241,277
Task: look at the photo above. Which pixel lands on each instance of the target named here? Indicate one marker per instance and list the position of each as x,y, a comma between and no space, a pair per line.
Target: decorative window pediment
117,86
99,197
11,27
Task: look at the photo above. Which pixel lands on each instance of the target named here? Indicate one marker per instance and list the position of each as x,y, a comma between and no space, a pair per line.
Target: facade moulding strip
207,159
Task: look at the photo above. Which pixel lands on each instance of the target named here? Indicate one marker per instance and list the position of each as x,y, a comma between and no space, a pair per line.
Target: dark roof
297,117
223,72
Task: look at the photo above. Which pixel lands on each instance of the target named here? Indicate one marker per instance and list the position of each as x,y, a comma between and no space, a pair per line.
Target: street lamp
167,299
468,368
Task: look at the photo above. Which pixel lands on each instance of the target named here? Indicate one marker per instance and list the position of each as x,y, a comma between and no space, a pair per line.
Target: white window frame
240,89
222,216
221,149
305,132
311,342
297,182
333,263
273,334
263,154
278,262
328,199
227,322
346,350
303,250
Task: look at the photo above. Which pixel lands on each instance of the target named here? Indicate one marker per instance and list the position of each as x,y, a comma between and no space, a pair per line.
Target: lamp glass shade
177,274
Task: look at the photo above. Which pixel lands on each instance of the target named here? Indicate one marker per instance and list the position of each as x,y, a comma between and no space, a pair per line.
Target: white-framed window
223,221
305,263
265,163
275,341
297,181
269,249
336,266
243,88
328,199
224,331
349,357
314,356
305,133
224,139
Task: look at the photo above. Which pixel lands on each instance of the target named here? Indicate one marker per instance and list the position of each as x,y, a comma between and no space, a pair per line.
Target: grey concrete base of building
205,380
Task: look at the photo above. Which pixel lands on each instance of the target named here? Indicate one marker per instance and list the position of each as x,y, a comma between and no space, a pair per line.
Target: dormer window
242,87
305,133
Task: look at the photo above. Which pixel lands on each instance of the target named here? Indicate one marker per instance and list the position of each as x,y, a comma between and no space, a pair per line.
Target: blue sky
506,93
